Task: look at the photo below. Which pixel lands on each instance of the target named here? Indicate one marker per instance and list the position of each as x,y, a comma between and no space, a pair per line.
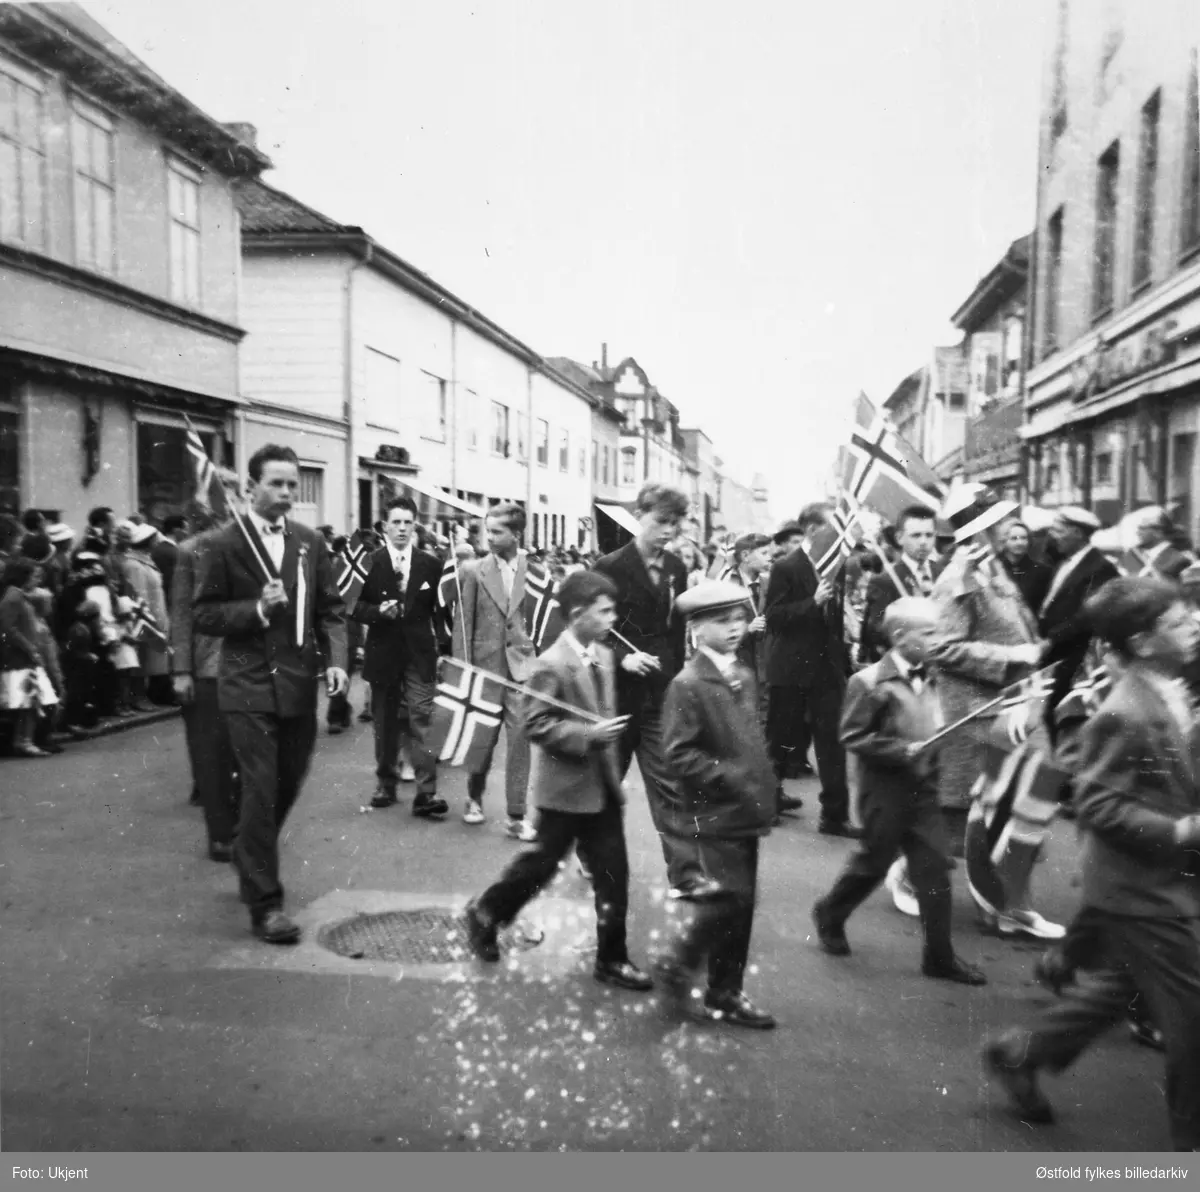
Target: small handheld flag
543,617
467,713
210,492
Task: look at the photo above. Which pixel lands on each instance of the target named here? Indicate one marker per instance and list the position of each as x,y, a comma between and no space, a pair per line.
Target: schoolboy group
652,663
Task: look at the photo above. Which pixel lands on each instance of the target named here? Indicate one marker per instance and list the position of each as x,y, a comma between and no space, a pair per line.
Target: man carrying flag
489,633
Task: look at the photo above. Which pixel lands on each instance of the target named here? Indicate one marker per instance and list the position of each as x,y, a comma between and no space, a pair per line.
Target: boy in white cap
724,801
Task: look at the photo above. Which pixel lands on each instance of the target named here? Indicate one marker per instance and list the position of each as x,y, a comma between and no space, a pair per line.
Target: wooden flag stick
582,713
977,712
892,574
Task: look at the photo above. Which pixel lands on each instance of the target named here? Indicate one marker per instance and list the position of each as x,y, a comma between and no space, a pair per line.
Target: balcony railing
993,438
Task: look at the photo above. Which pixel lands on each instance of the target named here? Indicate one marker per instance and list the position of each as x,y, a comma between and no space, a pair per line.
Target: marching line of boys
711,780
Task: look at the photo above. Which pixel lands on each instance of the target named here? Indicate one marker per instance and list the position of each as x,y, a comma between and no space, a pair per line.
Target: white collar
587,653
263,526
901,663
508,564
405,555
725,663
915,567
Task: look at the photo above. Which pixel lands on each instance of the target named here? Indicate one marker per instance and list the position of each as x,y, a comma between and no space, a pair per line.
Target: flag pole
892,574
977,712
582,713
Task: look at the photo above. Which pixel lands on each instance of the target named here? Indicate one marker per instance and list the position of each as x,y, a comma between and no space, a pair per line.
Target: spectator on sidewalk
24,685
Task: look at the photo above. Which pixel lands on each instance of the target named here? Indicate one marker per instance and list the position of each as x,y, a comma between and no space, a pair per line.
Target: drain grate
428,936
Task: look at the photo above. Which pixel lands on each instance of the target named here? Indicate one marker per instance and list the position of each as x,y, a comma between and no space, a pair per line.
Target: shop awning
621,516
432,504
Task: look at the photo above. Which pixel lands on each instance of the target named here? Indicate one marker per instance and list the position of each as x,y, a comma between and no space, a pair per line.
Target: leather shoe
220,852
383,798
955,969
624,975
276,928
832,939
336,730
839,828
737,1010
1019,1080
786,804
430,806
481,935
696,889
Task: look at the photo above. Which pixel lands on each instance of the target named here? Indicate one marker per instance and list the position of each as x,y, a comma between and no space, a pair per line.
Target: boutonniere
735,683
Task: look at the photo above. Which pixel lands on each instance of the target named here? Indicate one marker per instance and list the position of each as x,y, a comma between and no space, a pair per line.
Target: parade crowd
720,667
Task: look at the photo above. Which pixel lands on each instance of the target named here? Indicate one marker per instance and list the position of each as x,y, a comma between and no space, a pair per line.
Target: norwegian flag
1024,709
543,618
351,567
210,492
882,470
141,623
467,713
1085,697
833,544
447,594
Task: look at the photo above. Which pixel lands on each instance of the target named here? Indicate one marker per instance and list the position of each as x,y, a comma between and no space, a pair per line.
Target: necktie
925,579
597,684
400,574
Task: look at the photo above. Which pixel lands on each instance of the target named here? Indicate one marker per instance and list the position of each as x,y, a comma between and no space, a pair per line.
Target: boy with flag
576,784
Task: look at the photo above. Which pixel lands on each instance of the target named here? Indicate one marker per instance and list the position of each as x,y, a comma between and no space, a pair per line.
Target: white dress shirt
586,653
272,535
922,572
401,564
725,663
508,574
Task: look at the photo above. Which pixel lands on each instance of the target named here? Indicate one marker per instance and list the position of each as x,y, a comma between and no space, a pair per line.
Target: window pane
101,155
29,117
102,202
10,194
8,107
174,195
191,202
81,145
32,207
85,252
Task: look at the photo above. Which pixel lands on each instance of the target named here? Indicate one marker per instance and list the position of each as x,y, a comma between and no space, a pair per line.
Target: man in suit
576,785
891,708
649,579
1154,547
805,675
398,604
489,632
1082,572
266,588
195,670
1139,811
917,569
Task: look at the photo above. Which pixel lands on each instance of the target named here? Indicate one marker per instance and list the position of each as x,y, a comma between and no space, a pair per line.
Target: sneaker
522,830
1029,923
473,814
900,888
407,773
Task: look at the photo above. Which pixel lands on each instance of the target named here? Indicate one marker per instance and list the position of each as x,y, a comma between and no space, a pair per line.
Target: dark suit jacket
1138,776
881,592
882,715
568,772
1062,623
410,640
192,653
262,669
1032,578
163,556
646,616
801,650
723,779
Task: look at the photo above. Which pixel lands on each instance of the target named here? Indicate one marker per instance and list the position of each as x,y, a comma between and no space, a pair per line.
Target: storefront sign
1109,365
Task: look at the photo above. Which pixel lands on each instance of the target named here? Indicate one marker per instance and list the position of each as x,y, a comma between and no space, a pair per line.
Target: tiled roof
266,210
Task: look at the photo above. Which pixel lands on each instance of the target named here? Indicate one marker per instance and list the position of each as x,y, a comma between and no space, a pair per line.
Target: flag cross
469,711
874,453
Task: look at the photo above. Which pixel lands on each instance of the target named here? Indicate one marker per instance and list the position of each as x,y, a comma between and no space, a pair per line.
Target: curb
108,727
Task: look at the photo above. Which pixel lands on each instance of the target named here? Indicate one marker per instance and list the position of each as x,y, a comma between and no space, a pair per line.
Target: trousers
401,712
820,706
516,764
599,839
273,755
213,764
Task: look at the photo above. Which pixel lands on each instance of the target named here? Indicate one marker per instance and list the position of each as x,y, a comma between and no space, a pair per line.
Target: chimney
244,132
604,355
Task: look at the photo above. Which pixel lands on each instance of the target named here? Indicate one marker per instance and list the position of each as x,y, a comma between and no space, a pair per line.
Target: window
583,461
432,408
470,414
1107,171
1147,188
595,461
523,437
604,473
383,390
92,148
499,429
543,442
564,452
1103,467
310,500
1054,252
1190,237
10,461
183,206
956,403
1058,98
628,464
22,163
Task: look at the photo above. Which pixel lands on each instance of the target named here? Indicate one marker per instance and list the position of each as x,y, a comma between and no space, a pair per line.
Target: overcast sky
770,205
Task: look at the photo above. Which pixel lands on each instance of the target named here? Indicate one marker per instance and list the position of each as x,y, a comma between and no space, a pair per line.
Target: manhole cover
413,937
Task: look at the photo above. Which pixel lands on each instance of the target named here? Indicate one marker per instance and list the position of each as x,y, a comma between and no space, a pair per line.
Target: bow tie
268,528
917,672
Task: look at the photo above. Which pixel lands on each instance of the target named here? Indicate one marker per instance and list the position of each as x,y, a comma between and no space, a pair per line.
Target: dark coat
18,632
410,640
801,650
1062,623
881,594
1137,776
262,669
646,616
882,715
1032,578
164,556
723,779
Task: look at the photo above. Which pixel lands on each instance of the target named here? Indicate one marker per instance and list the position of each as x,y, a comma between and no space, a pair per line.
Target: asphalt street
139,1014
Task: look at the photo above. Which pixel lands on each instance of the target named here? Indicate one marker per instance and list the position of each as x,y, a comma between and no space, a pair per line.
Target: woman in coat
24,684
146,588
989,641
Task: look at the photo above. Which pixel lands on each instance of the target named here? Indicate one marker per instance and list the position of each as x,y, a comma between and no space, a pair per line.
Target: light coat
489,626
